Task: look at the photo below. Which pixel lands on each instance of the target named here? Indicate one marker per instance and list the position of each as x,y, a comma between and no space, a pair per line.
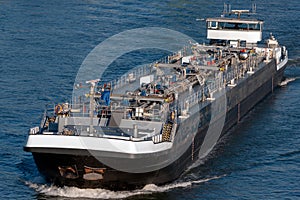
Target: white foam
287,80
74,192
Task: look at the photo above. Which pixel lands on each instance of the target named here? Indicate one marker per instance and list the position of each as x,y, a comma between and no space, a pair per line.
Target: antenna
253,9
227,10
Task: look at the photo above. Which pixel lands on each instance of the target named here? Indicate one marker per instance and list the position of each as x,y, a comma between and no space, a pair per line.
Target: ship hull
241,99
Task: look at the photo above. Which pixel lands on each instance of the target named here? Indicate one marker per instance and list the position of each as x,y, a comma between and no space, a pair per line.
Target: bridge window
233,25
254,26
212,25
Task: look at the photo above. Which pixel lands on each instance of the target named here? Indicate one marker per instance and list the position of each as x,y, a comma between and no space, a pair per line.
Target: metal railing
132,75
82,110
136,73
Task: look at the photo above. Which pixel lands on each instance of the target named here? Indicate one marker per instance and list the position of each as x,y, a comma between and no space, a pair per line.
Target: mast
92,97
227,10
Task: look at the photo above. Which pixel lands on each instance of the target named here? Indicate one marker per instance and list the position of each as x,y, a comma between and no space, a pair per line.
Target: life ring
58,109
172,115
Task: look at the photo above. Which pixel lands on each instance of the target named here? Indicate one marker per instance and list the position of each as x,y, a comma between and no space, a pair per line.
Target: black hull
240,102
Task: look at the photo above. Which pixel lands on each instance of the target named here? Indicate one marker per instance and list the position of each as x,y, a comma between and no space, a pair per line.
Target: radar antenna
227,10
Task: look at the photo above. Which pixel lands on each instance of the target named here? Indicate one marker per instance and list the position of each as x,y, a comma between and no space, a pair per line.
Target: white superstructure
234,29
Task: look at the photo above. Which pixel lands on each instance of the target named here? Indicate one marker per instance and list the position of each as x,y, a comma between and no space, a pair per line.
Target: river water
42,45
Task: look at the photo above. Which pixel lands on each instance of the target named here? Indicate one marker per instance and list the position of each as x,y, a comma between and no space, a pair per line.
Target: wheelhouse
229,29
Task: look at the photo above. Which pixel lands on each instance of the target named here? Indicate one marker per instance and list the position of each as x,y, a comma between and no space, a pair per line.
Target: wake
74,192
288,80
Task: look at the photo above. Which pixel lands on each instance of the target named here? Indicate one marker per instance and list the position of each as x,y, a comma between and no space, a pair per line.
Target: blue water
42,45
